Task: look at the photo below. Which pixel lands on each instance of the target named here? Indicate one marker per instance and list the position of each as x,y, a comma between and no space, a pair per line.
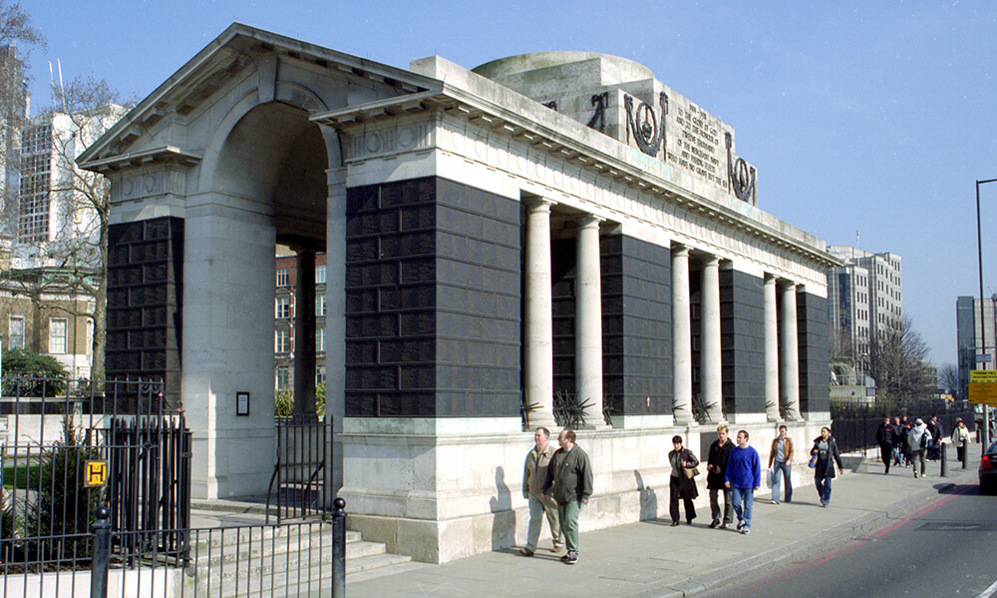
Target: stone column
588,322
304,334
710,359
538,363
681,336
771,350
790,354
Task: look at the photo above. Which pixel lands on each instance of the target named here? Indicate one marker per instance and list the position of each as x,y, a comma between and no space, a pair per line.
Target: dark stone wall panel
433,300
637,326
811,313
144,302
742,342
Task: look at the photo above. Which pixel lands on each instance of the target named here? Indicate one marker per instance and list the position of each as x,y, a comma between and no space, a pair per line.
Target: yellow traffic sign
95,473
988,376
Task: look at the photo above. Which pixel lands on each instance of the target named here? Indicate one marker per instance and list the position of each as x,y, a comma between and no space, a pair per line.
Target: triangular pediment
238,48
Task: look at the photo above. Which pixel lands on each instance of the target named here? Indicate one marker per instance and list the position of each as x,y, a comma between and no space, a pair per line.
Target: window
282,378
283,307
282,277
282,342
320,305
57,331
320,340
320,374
15,335
320,274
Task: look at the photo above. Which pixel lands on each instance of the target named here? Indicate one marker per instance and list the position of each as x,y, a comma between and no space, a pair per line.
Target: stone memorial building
554,225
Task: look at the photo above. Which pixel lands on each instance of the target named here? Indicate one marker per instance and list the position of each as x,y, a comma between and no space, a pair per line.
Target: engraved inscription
698,145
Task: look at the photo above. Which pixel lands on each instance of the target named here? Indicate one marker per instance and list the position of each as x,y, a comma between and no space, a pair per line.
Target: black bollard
338,548
945,469
101,553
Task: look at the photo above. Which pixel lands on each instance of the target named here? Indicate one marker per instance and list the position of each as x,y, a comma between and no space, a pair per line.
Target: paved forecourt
652,559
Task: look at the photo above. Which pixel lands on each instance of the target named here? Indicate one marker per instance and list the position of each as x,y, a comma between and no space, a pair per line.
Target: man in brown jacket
534,477
781,464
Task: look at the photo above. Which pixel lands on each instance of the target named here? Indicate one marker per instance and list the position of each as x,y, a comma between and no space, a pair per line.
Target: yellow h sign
95,473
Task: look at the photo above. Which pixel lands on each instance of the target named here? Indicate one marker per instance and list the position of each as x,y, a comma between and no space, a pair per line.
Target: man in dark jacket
716,469
569,481
885,438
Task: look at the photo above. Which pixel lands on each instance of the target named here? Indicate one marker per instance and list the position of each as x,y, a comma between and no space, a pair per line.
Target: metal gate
72,446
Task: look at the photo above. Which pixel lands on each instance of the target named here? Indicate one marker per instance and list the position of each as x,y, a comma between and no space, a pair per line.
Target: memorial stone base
440,490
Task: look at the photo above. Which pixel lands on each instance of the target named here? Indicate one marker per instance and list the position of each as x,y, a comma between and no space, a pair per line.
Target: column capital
679,250
589,220
711,260
535,203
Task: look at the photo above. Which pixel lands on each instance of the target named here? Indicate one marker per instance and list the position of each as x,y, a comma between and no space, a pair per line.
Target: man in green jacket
569,481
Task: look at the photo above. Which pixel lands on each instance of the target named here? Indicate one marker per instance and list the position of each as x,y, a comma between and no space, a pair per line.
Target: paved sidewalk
651,559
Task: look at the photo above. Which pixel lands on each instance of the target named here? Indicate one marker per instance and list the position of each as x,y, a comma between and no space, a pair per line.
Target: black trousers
673,501
886,452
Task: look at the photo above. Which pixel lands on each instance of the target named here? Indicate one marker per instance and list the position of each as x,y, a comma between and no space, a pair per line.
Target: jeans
568,513
782,471
715,505
746,496
823,489
538,508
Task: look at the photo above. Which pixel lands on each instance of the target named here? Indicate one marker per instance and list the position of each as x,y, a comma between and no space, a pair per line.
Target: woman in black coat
681,485
826,450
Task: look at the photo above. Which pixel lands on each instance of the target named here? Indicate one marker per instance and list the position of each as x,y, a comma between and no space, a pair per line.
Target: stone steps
265,560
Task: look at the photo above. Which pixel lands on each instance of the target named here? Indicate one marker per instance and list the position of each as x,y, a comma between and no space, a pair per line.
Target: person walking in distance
743,477
569,482
680,484
826,449
898,440
918,439
961,439
534,476
716,470
884,436
781,464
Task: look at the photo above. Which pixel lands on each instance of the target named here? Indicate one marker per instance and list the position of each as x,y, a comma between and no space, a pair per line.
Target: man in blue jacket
743,477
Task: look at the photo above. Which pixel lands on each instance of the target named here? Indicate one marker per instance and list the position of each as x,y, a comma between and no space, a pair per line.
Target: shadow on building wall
503,517
648,499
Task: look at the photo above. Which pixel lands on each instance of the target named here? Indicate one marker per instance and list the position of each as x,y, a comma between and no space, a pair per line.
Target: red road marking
857,543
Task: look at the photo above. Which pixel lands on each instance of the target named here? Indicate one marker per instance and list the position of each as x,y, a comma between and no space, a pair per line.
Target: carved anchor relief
648,132
742,176
598,120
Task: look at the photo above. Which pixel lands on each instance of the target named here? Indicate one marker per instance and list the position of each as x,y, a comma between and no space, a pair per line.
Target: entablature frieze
150,179
552,162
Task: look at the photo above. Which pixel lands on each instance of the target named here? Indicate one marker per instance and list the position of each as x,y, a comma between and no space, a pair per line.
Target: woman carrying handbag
682,483
823,457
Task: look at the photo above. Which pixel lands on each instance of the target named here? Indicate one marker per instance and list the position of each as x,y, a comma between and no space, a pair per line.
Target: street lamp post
983,330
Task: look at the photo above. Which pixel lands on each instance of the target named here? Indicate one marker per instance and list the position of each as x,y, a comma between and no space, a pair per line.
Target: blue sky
868,117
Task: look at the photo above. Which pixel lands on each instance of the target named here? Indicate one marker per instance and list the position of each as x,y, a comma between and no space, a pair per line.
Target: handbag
691,472
770,478
813,461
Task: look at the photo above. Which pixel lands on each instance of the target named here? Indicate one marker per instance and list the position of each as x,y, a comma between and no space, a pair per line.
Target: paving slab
653,559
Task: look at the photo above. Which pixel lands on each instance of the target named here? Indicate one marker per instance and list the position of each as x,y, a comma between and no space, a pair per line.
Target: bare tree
948,378
78,250
17,38
898,361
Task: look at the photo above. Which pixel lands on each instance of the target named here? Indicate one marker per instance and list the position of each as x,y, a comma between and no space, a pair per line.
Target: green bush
25,364
283,401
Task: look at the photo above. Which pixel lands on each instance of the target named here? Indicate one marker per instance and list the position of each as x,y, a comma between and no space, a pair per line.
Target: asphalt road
946,549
